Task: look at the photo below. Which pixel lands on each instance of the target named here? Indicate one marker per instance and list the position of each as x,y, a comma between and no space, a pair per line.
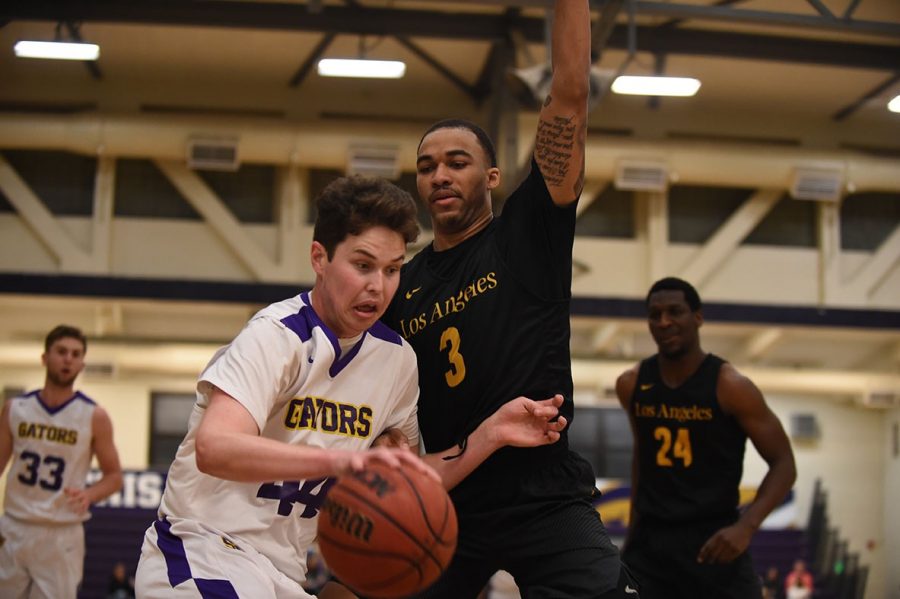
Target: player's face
354,288
454,179
64,361
672,323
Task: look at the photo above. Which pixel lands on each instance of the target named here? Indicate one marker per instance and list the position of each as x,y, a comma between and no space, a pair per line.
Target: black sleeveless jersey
489,321
690,453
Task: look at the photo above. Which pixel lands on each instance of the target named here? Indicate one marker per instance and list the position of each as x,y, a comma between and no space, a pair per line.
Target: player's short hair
351,205
675,284
483,138
62,331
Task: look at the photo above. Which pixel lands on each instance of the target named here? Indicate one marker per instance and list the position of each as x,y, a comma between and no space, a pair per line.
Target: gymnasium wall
891,522
852,456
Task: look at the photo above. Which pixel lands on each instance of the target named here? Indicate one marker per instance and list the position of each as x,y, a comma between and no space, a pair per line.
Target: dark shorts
663,559
553,543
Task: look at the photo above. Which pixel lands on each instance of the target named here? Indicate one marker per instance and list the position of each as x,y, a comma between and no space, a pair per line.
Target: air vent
100,369
641,175
213,153
824,184
804,427
380,160
884,400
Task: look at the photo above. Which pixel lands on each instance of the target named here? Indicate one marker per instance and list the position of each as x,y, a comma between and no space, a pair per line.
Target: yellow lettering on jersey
47,432
692,413
318,413
451,304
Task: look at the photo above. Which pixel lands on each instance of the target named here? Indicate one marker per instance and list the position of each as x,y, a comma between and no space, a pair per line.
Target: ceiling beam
312,59
488,27
873,93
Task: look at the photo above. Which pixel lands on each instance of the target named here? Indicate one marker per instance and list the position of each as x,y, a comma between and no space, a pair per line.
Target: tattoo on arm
554,147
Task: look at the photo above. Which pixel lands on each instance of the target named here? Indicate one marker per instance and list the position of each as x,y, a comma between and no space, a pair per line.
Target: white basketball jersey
286,368
51,451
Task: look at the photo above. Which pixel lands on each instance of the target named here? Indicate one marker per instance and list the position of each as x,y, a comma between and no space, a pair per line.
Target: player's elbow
206,454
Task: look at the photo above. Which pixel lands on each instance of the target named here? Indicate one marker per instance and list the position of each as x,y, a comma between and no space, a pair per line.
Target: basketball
387,532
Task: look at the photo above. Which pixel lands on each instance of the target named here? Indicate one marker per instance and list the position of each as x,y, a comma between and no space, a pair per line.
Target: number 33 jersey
287,369
51,451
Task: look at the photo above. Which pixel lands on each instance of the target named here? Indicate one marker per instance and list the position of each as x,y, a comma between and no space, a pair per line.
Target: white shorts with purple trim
183,558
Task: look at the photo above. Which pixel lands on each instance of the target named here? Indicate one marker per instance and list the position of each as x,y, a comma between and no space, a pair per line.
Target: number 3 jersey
489,321
51,451
286,368
690,452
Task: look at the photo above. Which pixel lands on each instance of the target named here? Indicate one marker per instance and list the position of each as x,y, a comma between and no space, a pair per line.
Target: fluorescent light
894,105
57,50
379,69
655,86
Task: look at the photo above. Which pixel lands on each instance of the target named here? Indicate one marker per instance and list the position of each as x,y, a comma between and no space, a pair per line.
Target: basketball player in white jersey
296,400
52,435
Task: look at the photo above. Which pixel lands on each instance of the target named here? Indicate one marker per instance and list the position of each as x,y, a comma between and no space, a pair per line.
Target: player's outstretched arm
228,446
520,422
103,447
741,398
562,126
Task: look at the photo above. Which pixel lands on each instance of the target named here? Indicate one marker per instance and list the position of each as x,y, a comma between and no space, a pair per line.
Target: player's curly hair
351,205
61,332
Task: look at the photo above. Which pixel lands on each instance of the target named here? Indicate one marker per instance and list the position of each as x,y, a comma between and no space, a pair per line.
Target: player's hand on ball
391,457
524,422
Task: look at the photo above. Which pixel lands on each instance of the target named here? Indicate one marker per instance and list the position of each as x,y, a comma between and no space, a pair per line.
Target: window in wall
63,181
611,214
696,212
790,223
143,191
867,219
603,437
169,415
248,192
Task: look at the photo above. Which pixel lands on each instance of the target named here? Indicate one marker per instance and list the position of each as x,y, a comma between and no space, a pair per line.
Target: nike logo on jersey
412,292
646,386
629,590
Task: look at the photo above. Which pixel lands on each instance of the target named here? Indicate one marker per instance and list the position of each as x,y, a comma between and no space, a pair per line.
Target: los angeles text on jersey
47,432
318,413
450,305
679,413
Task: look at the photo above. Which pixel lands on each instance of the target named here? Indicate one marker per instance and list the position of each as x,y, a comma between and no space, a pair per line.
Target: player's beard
59,381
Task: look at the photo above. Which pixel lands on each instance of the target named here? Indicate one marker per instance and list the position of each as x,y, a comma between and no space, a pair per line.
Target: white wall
850,459
891,545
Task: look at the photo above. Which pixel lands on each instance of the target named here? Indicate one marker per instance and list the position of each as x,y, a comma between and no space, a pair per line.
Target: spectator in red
800,572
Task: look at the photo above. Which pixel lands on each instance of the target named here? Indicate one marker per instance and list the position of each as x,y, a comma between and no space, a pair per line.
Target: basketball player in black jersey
486,308
691,414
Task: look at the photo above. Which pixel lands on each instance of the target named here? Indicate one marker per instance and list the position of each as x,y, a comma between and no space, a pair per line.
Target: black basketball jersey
489,321
690,453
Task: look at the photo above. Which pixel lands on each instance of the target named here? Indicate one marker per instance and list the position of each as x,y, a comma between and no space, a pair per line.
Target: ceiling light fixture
57,50
655,86
351,67
894,105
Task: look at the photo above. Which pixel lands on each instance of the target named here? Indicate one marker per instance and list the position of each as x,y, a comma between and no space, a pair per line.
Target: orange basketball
386,532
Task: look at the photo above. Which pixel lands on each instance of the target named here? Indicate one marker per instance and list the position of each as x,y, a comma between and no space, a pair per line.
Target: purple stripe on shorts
179,569
173,550
215,589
